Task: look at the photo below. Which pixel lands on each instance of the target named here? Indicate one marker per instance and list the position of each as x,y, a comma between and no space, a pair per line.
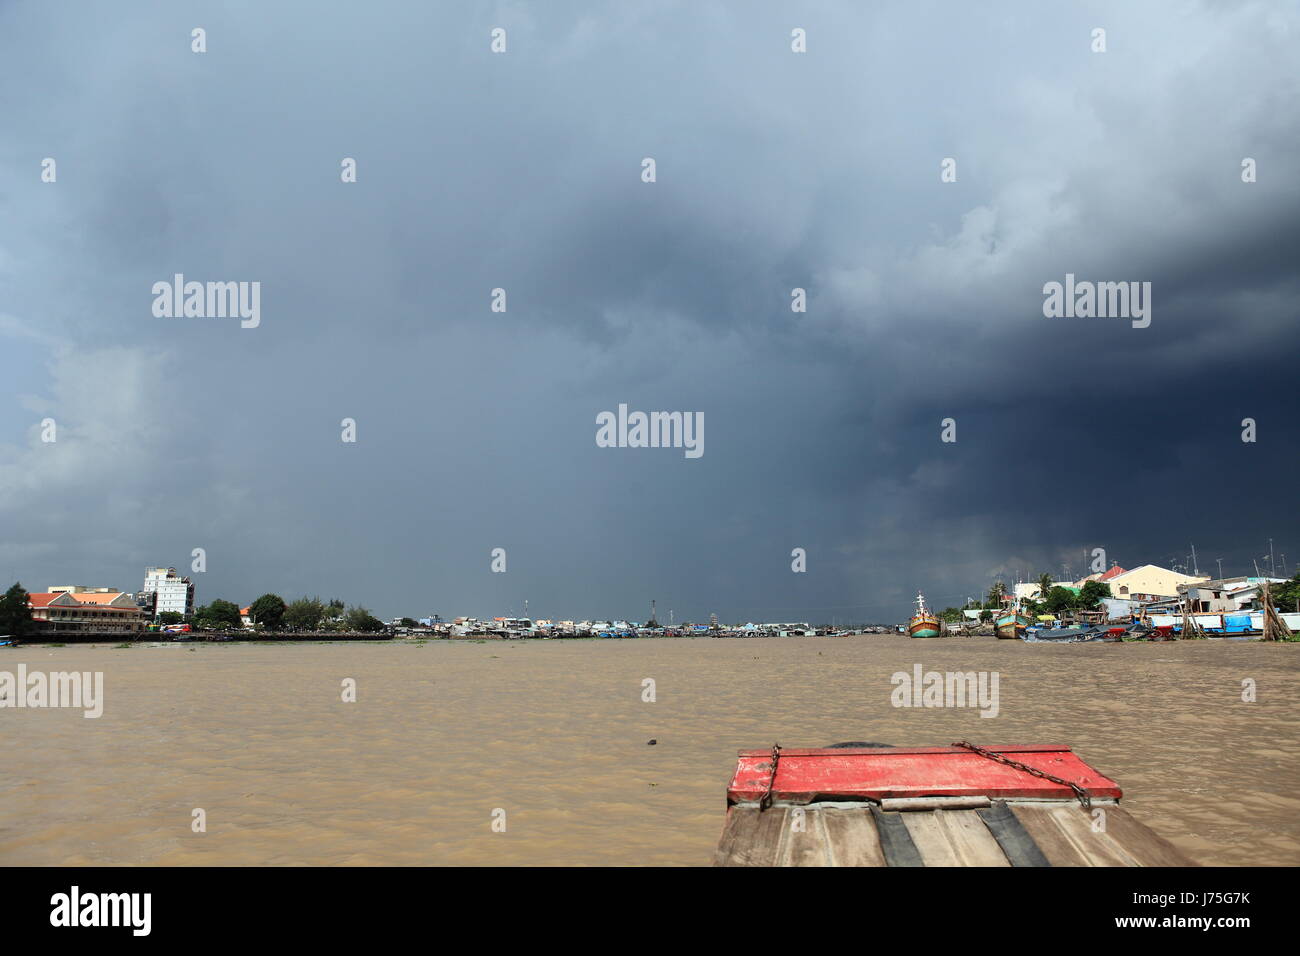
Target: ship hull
924,625
1011,627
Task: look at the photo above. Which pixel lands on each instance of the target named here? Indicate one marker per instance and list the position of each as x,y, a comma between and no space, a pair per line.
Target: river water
550,737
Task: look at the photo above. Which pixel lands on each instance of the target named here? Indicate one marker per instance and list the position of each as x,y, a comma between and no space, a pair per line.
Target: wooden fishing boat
874,805
924,622
1010,624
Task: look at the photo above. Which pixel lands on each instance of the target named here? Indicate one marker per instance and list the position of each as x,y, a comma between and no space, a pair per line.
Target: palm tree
1045,583
996,593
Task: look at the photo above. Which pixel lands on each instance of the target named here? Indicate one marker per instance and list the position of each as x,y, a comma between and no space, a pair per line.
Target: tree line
270,612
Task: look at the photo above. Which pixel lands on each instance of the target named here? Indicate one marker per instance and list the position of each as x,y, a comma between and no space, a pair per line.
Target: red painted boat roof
875,773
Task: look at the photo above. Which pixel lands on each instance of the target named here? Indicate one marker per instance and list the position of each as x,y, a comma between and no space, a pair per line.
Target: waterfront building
170,591
1231,594
89,610
1149,582
467,626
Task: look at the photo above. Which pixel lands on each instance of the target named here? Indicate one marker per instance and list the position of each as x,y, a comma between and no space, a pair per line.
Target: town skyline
1017,585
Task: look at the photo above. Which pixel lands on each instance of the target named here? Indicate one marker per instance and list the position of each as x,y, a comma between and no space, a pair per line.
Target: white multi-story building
170,591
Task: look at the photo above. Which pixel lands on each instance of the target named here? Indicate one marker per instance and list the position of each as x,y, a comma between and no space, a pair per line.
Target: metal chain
1078,790
766,802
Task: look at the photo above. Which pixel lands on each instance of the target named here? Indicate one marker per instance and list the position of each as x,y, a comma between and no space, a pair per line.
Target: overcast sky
523,170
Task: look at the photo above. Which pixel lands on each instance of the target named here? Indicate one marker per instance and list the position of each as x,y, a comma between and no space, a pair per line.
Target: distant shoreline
153,641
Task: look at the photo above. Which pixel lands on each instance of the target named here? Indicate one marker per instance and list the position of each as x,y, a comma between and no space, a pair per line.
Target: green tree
1285,596
996,593
171,617
951,614
15,615
1091,593
332,618
268,611
1059,599
1045,583
360,620
304,614
409,622
219,615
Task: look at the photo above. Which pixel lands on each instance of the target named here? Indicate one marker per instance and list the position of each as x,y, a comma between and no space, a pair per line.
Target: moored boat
1010,624
1067,635
924,622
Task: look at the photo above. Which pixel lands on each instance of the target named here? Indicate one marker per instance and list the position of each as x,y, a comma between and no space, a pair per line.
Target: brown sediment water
554,733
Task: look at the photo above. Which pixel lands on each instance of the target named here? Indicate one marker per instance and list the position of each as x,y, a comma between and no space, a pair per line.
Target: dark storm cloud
775,170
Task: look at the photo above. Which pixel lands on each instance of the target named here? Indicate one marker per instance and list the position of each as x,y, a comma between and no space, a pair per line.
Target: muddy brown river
443,736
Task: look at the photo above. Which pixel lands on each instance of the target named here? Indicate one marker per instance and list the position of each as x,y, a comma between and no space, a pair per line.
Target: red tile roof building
65,611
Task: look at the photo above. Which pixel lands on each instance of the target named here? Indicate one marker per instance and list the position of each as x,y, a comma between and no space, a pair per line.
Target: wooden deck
1003,833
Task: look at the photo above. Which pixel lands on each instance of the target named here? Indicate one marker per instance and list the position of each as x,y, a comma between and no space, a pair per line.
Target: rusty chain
1079,792
766,801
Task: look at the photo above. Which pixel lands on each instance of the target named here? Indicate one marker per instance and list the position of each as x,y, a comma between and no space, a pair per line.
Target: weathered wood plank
737,843
851,837
752,837
1146,846
1066,836
971,839
805,839
1098,845
1059,849
953,838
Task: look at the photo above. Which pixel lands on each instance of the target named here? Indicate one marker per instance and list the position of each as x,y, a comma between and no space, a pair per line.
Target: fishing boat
924,623
1010,623
864,804
1066,635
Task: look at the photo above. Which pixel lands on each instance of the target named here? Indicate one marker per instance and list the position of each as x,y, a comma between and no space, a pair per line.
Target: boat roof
875,773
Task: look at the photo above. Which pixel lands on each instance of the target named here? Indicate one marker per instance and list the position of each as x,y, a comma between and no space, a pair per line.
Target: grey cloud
521,171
